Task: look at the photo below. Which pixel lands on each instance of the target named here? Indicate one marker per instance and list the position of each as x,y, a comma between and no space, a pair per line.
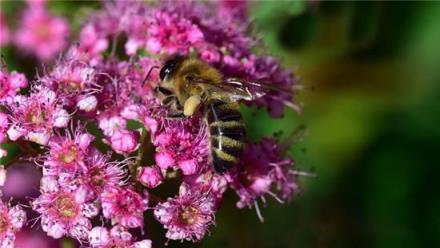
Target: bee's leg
158,90
191,105
175,116
175,111
169,100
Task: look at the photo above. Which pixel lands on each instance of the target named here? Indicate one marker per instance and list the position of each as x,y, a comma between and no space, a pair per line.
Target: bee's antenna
149,72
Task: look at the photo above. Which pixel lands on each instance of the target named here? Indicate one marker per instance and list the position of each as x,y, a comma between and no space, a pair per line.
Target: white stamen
275,197
257,209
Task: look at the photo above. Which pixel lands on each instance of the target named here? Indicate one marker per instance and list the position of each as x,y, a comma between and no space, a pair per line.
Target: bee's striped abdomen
226,133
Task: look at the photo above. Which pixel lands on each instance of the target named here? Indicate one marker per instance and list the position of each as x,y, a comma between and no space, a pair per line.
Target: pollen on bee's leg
191,104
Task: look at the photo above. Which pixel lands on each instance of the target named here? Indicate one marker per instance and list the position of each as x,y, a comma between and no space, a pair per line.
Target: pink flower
34,117
100,237
4,31
150,176
36,3
125,141
40,33
124,206
187,216
10,84
235,9
181,144
164,160
92,42
64,213
110,125
132,112
112,96
171,33
11,221
268,70
67,153
262,170
87,103
71,80
99,175
208,182
135,25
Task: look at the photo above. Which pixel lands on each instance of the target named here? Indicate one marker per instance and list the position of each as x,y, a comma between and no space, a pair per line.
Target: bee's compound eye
164,71
169,67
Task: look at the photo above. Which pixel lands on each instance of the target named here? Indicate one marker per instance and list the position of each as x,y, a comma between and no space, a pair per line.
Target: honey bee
189,85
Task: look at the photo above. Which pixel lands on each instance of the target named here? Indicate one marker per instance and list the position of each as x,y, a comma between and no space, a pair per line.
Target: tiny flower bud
164,160
48,184
150,176
3,153
18,217
143,244
111,125
188,167
41,138
55,231
61,118
125,141
99,237
18,80
131,112
87,104
15,132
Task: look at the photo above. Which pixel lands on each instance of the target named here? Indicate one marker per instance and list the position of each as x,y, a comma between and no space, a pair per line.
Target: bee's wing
240,89
235,93
254,89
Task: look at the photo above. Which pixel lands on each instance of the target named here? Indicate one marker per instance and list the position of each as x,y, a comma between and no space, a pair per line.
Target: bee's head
170,67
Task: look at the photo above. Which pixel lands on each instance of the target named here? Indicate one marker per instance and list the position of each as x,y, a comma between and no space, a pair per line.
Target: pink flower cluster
96,121
39,33
12,218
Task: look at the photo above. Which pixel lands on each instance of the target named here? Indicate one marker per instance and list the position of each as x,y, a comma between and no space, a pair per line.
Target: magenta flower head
10,84
40,33
64,213
99,175
151,177
36,116
92,43
188,216
67,153
165,24
124,206
109,127
12,219
73,81
261,171
180,145
101,237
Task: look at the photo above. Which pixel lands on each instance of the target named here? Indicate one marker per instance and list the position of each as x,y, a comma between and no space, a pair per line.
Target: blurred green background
373,127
